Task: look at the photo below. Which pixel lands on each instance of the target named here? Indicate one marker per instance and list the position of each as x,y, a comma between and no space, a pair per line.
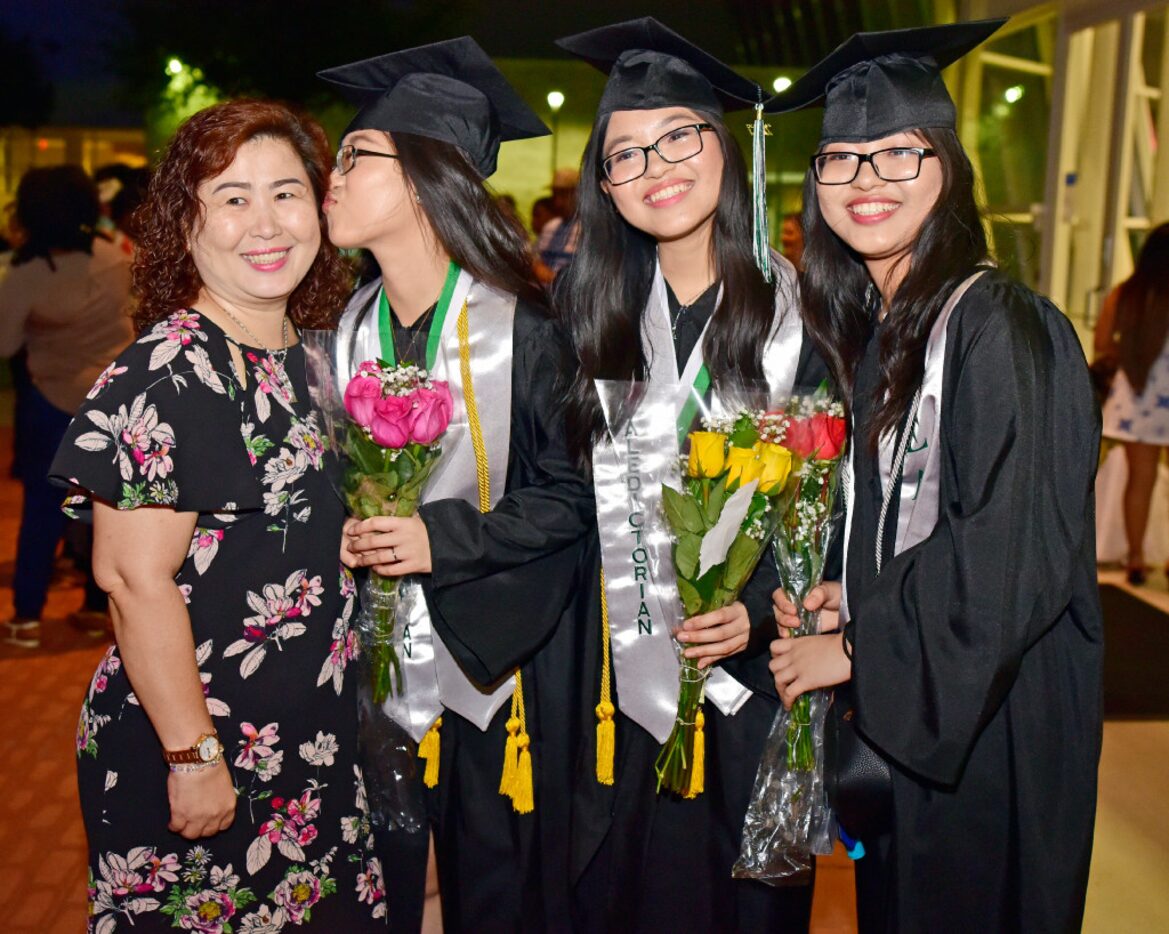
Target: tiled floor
42,848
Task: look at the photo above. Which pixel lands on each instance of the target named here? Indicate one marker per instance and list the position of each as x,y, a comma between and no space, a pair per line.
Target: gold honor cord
606,727
516,779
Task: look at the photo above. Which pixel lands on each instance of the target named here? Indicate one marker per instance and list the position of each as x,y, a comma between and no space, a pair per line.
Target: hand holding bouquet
788,819
734,491
398,414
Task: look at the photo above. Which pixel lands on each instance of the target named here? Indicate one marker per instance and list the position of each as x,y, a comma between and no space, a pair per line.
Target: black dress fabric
977,653
646,862
502,594
168,424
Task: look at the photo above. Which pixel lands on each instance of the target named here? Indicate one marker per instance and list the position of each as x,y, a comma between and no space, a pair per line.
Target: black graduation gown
977,653
647,862
501,595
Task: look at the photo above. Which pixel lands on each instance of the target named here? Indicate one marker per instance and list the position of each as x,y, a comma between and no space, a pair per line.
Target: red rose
798,437
361,395
432,413
390,425
827,432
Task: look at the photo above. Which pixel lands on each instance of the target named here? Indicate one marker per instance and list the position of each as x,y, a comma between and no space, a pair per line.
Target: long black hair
835,286
58,208
469,223
1142,310
600,296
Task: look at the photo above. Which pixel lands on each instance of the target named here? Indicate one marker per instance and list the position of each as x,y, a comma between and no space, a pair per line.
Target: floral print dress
168,424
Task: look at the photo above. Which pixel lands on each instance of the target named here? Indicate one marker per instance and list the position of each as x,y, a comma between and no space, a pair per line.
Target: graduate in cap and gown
495,546
672,285
973,635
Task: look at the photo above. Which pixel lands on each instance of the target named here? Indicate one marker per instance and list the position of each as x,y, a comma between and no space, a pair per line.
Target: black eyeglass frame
355,152
645,151
862,158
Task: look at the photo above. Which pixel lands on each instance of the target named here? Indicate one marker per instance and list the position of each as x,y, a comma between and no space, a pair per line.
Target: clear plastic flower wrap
389,755
789,821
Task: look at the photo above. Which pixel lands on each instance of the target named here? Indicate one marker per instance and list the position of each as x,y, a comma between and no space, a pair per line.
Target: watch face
208,748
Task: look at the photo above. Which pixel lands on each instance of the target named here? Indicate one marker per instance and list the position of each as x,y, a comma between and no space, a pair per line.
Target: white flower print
320,752
111,779
284,469
105,378
205,370
305,438
351,828
137,436
126,884
204,547
263,921
276,610
344,648
371,887
175,333
258,753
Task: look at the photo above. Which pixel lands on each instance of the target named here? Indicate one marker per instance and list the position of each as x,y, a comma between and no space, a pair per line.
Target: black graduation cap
879,83
448,91
651,66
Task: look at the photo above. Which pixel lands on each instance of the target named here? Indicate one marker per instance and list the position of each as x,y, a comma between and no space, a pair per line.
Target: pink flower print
304,809
257,744
307,594
204,547
208,912
306,835
297,894
371,887
348,585
182,327
303,436
162,871
105,378
148,441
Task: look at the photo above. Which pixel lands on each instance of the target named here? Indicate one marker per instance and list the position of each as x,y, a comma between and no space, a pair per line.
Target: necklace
419,327
278,354
682,309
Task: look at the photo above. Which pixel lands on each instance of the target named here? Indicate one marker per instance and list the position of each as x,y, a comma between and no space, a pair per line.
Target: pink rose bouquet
398,414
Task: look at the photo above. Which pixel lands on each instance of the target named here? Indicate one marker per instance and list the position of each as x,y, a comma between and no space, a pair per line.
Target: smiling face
373,201
880,220
260,231
671,201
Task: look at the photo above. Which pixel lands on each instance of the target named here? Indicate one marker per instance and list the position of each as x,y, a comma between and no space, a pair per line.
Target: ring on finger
393,555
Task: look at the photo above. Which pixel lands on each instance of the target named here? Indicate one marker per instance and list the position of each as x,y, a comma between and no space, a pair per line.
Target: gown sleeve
501,580
941,632
162,426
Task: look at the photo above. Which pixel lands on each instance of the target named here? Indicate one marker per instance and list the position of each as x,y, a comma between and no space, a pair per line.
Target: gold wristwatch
207,749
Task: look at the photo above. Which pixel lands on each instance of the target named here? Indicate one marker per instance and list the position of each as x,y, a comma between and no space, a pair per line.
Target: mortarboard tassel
428,749
606,727
698,758
761,236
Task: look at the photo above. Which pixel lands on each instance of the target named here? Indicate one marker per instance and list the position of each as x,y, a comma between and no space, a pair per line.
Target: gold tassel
428,749
522,796
606,726
698,765
606,742
510,755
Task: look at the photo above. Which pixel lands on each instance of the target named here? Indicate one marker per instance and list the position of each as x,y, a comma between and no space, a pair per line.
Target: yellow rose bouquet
735,489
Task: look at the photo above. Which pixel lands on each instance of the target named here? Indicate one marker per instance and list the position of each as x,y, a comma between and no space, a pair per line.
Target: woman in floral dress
217,743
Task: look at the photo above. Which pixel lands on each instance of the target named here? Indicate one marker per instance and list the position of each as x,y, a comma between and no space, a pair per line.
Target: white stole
641,586
917,511
431,676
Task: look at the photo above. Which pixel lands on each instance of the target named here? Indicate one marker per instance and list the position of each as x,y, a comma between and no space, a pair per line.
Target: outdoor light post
555,102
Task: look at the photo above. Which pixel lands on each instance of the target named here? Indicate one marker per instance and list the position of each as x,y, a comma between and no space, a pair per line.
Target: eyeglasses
902,164
347,157
680,144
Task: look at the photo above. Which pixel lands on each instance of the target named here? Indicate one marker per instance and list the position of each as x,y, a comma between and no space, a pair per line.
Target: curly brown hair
164,275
